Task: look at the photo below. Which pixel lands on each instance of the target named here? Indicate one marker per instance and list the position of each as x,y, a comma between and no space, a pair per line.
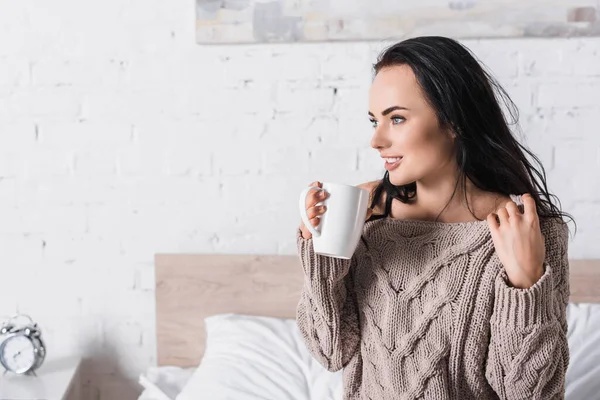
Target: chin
399,180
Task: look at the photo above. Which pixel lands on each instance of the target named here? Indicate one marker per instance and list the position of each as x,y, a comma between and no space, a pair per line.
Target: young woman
459,286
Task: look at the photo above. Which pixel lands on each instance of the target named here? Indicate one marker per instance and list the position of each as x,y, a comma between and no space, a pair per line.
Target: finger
316,211
315,222
492,221
513,210
503,216
305,232
529,206
313,198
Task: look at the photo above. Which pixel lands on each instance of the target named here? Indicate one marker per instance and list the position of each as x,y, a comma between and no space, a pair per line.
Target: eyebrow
389,110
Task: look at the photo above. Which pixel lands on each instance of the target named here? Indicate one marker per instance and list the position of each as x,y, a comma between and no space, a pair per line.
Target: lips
392,162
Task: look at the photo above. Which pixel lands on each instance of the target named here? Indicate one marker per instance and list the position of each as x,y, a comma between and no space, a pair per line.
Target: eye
373,122
397,120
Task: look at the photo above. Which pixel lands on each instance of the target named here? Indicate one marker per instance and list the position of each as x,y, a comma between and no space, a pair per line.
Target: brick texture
120,138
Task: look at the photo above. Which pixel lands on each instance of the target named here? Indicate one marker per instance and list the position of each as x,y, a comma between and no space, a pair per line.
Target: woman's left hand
519,242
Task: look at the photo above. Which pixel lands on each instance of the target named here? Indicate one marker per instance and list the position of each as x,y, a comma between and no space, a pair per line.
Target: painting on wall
262,21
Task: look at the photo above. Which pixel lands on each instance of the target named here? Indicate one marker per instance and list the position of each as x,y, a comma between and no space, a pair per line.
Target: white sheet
582,380
583,375
164,383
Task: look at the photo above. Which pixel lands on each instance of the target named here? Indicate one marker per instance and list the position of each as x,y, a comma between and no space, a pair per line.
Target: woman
459,286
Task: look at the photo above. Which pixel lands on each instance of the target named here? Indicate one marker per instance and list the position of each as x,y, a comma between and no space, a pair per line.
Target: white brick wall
120,138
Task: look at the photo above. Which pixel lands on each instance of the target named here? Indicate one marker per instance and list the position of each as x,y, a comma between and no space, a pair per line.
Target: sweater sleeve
327,313
528,353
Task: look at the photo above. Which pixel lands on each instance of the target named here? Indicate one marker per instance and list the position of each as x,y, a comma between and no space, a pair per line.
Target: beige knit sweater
423,311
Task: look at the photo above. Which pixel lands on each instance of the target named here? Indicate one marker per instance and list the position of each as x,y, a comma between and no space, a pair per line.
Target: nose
380,139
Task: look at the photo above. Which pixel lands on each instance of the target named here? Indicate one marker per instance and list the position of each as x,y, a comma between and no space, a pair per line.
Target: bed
201,300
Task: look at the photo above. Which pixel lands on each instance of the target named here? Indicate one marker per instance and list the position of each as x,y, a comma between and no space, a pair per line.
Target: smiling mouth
392,162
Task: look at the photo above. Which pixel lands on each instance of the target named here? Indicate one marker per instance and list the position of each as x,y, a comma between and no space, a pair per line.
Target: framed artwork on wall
263,21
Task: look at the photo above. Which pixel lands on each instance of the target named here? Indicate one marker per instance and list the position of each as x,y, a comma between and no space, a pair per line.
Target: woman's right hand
313,211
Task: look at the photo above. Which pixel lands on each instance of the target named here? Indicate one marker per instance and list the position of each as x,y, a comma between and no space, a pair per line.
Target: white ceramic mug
342,223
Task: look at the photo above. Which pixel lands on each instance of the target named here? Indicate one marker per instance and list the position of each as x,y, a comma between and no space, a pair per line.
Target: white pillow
249,357
583,374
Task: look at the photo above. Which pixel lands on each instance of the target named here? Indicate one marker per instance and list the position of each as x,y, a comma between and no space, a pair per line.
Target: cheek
420,143
426,151
438,147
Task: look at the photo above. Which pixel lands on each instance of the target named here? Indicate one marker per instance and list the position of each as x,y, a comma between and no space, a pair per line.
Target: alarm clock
22,350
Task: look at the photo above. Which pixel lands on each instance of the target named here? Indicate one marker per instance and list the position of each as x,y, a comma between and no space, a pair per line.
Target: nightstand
57,379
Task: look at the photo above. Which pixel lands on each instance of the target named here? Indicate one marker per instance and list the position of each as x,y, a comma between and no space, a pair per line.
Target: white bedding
164,383
582,380
583,375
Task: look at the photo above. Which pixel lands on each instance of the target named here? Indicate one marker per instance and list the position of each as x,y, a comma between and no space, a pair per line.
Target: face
406,130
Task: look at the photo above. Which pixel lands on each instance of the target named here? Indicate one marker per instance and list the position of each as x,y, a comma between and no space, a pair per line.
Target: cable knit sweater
423,310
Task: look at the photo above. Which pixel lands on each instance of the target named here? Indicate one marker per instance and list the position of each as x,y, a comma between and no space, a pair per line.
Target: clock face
18,354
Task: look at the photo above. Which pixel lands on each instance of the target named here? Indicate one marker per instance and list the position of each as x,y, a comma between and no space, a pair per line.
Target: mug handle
303,212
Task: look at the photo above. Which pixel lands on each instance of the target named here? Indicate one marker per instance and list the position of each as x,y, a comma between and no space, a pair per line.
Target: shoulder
555,231
398,209
371,187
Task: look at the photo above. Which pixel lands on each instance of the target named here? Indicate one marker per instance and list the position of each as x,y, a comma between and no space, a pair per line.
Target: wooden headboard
190,287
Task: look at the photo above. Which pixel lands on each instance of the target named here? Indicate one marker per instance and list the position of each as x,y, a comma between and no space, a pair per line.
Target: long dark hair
467,99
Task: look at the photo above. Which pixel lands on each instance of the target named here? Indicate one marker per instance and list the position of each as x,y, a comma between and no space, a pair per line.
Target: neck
442,198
